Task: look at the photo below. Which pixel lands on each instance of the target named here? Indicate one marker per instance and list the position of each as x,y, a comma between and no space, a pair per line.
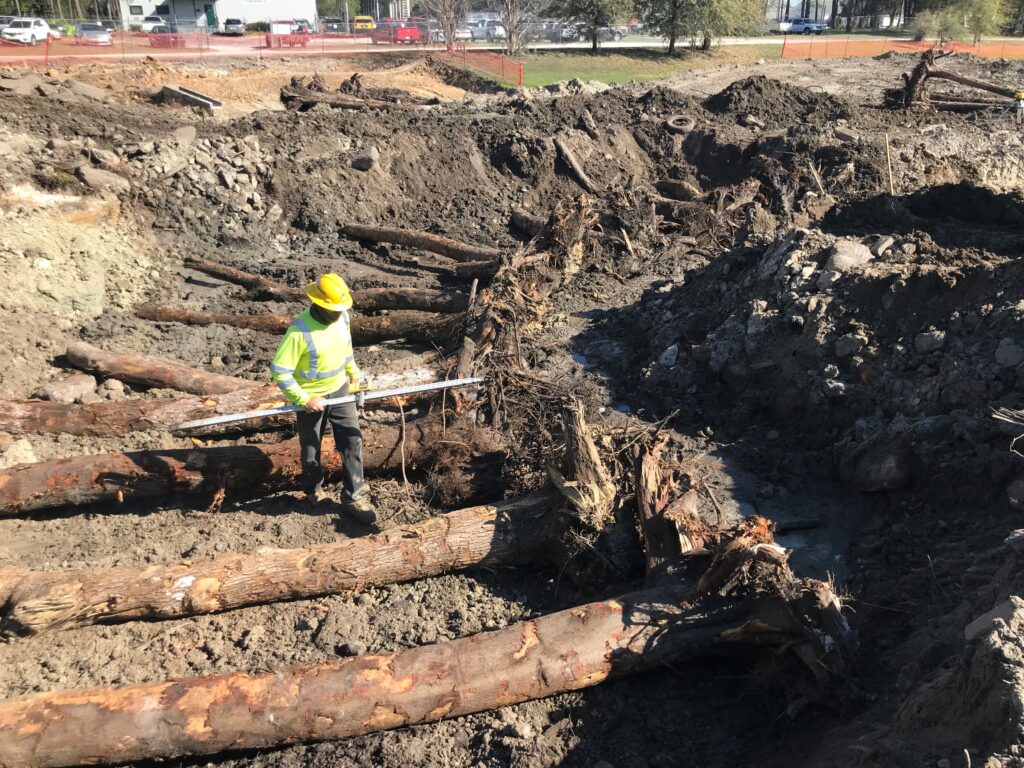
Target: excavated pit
821,352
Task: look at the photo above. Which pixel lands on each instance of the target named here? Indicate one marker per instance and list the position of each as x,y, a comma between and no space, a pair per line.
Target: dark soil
853,392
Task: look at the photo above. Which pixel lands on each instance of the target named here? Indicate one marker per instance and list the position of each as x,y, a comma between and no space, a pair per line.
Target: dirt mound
777,104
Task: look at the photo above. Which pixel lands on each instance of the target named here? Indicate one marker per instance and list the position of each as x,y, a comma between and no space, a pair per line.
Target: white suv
152,21
805,27
27,31
495,30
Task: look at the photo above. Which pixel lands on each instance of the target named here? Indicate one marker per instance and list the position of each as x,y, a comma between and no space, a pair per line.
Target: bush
259,26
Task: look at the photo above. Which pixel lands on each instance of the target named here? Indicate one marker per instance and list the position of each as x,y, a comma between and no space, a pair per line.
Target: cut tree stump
512,532
238,469
765,606
425,241
365,299
915,84
153,371
405,324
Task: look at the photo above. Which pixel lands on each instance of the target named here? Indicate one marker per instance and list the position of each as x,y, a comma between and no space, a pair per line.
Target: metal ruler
382,394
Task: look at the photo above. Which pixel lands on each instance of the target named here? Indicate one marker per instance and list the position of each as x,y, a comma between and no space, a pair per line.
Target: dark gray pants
348,438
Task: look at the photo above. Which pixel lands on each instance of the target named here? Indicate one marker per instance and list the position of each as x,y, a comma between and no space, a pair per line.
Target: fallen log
113,419
261,286
237,469
679,190
367,299
512,532
526,222
425,241
576,167
405,324
557,653
299,97
152,371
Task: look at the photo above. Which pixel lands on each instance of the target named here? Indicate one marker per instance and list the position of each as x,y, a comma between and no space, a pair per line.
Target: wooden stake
888,164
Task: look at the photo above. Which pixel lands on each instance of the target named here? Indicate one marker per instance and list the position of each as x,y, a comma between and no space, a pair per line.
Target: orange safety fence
126,47
834,46
507,70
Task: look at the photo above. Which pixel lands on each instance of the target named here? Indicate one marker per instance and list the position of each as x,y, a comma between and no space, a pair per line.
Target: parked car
335,26
152,21
495,30
109,24
805,27
463,35
234,27
363,23
5,21
395,32
303,26
435,32
92,33
477,29
563,33
28,31
605,34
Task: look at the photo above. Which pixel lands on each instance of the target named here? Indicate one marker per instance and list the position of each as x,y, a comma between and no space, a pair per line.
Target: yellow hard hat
330,292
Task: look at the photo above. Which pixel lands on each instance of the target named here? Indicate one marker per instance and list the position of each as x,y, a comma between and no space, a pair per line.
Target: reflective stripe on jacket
314,359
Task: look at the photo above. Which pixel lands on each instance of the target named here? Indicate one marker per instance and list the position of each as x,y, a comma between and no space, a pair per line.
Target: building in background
211,15
386,9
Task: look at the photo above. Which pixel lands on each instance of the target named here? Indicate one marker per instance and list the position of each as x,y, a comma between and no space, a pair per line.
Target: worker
314,362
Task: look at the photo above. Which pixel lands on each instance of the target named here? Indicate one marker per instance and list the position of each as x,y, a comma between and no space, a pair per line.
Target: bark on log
406,324
512,532
426,241
561,652
368,299
153,371
240,470
577,169
300,98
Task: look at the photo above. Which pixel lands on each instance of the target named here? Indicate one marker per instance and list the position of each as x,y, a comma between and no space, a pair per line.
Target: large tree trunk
413,238
564,651
365,299
511,532
406,324
153,371
240,469
113,419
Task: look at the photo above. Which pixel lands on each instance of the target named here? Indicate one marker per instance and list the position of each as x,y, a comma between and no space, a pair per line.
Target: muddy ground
825,350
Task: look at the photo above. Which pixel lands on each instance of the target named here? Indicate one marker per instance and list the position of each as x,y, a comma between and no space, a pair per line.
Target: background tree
701,21
450,15
517,17
595,14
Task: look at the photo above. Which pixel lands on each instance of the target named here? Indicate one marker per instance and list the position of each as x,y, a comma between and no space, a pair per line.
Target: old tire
680,124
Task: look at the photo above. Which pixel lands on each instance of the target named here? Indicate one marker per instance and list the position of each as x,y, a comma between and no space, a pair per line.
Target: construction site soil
820,297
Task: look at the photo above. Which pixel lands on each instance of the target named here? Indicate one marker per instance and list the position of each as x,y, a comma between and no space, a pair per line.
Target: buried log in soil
425,241
240,470
564,651
511,532
365,299
406,324
152,371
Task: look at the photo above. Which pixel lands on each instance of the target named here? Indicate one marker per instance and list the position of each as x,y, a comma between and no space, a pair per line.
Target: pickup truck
395,32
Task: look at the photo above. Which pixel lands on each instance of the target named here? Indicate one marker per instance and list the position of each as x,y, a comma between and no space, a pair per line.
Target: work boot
320,500
361,510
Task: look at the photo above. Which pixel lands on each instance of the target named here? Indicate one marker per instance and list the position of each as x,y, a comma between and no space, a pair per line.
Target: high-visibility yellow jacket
314,359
